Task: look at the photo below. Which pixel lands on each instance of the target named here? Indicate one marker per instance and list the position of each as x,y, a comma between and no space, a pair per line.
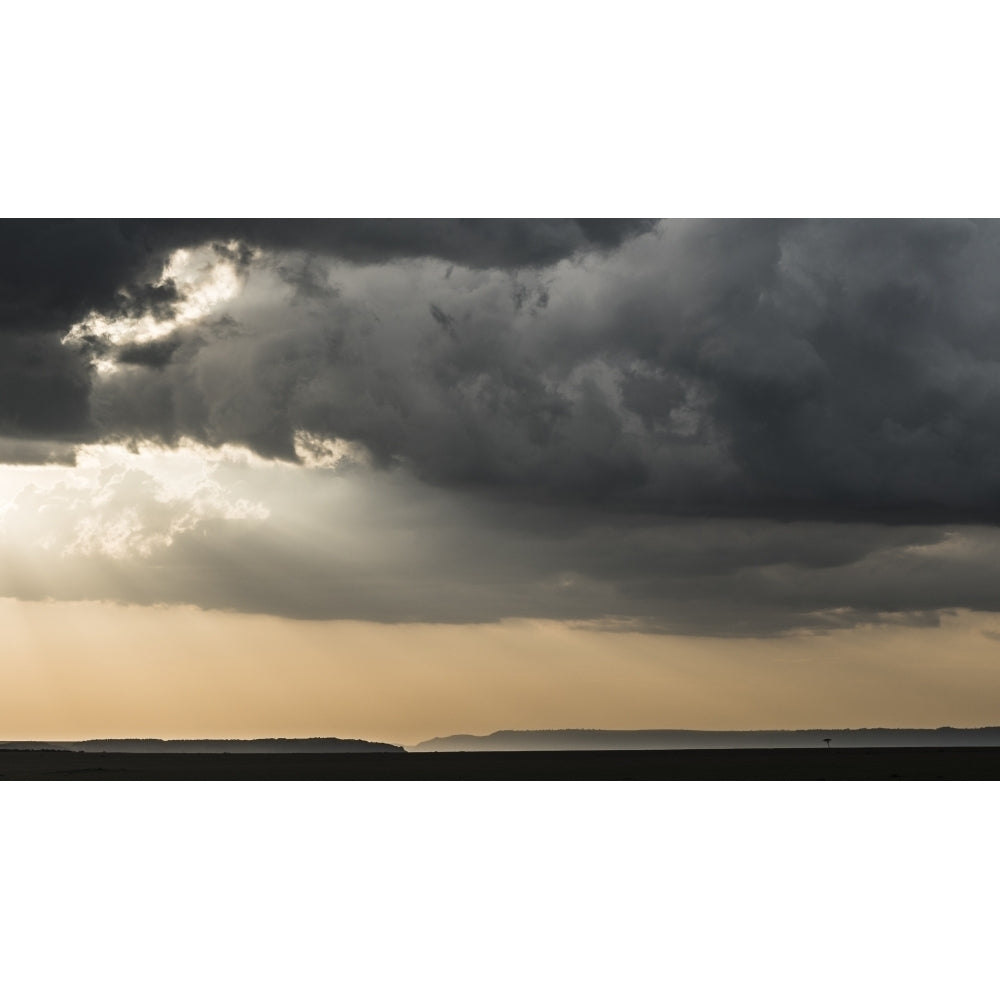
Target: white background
538,890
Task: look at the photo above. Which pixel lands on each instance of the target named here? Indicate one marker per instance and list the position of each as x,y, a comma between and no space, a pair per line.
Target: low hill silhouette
694,739
324,744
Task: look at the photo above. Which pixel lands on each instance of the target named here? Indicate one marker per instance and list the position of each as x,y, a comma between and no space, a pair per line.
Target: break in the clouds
717,427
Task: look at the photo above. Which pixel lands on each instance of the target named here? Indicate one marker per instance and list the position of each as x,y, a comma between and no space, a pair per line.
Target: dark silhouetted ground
820,764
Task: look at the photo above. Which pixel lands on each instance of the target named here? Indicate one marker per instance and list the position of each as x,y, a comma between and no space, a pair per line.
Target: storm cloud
732,427
54,273
811,370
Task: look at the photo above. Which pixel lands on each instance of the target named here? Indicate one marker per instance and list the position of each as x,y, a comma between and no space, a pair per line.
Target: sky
394,479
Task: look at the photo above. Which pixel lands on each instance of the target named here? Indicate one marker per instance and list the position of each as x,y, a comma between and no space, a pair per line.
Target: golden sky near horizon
76,670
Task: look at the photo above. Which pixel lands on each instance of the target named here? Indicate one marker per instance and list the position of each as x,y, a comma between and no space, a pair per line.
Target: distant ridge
695,739
327,744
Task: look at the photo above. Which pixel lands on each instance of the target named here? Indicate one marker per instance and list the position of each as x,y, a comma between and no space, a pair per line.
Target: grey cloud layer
378,546
811,370
53,273
728,427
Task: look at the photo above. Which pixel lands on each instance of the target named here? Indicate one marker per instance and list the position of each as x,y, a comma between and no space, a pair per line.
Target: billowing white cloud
119,503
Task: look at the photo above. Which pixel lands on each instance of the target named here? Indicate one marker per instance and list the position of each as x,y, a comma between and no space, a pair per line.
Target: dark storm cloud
44,388
828,370
53,273
478,243
853,369
727,427
813,370
151,354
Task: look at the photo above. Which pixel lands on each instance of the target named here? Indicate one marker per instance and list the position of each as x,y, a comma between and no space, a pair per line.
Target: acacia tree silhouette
826,740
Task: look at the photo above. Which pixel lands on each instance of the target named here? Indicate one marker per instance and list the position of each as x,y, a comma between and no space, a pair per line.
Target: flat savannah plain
822,764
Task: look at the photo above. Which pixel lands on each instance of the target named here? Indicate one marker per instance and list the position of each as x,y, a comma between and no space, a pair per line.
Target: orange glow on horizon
78,670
